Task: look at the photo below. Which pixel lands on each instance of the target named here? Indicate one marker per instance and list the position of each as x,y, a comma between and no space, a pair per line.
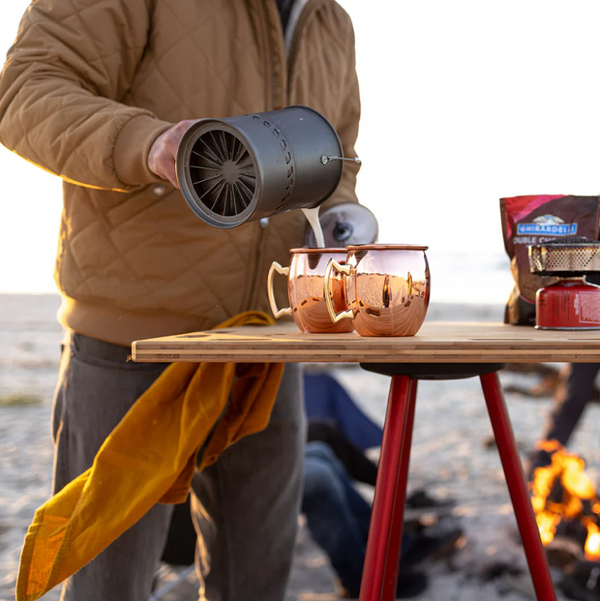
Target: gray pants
244,507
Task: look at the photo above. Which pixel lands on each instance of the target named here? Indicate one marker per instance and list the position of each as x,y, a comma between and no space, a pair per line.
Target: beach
451,456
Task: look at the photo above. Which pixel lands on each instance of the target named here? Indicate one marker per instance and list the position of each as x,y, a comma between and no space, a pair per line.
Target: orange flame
547,523
592,543
549,445
568,470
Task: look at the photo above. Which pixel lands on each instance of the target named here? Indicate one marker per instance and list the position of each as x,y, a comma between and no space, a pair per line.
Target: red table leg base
383,546
517,488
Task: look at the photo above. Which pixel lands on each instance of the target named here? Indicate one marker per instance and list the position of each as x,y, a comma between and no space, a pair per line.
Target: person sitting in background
337,515
576,390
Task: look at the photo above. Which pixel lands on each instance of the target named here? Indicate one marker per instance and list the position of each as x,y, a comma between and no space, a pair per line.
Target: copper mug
387,289
306,290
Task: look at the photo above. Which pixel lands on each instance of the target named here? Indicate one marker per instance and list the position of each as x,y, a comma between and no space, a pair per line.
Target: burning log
573,530
563,551
550,379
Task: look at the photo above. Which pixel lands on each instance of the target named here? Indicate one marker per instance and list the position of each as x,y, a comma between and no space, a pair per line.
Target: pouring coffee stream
312,215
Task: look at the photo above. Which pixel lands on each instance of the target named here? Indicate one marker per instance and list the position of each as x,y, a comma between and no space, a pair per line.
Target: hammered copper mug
306,290
387,289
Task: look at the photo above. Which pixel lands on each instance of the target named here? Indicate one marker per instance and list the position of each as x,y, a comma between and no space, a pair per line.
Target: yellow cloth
149,457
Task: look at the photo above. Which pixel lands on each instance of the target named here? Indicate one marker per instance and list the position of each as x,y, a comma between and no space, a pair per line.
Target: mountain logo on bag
547,224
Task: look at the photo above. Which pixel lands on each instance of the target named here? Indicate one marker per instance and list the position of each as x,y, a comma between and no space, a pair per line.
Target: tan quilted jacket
87,88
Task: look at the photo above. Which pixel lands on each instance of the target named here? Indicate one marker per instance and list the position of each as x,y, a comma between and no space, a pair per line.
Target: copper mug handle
342,269
276,267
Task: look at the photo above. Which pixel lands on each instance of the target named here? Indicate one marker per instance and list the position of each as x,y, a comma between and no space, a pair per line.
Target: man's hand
161,158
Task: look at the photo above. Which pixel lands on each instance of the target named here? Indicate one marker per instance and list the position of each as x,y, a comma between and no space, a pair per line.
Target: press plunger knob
342,231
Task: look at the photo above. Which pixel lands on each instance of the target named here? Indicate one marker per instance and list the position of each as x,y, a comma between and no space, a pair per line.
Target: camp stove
571,303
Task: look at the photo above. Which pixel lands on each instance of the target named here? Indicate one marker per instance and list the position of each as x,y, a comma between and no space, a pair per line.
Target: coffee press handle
276,267
345,270
326,159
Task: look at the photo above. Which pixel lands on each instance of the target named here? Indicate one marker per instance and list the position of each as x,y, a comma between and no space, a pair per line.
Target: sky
464,102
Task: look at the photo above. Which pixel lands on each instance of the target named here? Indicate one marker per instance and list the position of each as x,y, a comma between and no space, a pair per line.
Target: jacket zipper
259,236
307,11
287,70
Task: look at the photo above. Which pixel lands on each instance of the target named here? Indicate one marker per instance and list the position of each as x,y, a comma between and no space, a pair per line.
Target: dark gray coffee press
246,168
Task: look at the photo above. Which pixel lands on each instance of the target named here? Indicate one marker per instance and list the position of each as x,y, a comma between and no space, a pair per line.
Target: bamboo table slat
436,342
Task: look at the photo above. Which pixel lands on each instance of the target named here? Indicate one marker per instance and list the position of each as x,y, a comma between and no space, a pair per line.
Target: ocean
470,277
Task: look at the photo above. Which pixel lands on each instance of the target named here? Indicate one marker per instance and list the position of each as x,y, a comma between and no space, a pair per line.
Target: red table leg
381,536
517,487
390,579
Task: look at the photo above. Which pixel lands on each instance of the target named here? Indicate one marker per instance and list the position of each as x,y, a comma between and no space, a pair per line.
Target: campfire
566,504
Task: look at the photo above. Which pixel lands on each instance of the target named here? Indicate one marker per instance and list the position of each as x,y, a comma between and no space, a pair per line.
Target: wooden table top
436,342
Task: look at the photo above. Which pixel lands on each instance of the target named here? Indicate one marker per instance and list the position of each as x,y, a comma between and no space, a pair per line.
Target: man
100,93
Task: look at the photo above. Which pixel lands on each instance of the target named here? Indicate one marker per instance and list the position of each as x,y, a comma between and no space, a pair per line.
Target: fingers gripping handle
276,267
345,270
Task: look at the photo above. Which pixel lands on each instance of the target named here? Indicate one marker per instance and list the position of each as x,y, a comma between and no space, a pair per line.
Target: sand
450,457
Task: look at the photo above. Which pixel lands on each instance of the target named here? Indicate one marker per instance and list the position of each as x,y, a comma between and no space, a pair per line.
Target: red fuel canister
571,304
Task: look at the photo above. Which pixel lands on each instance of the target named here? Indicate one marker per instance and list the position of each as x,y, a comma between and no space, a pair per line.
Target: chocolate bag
528,220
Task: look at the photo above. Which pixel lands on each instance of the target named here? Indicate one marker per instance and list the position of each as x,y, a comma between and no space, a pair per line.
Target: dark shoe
420,503
410,584
427,546
419,499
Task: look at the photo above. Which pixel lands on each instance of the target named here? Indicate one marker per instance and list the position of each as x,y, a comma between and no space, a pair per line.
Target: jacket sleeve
347,127
62,87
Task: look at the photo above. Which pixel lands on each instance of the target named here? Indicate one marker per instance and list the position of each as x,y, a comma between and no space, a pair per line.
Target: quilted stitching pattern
137,250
